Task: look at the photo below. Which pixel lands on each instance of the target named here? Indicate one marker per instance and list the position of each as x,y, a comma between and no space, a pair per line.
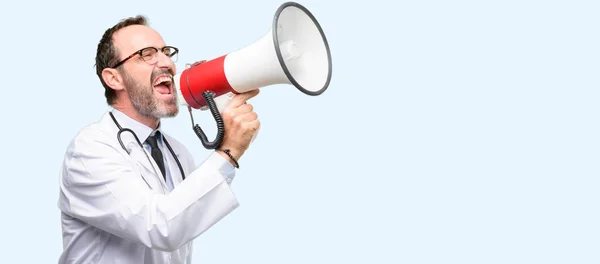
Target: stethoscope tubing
121,130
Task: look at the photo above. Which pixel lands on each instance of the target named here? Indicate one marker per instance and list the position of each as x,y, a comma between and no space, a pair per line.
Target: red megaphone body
295,51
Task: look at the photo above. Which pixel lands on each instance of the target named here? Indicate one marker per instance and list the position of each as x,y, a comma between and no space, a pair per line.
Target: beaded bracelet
231,156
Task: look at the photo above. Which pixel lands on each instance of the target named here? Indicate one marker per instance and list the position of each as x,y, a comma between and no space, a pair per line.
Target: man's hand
241,123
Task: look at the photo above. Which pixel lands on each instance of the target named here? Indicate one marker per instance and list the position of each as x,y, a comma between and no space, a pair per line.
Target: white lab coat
116,210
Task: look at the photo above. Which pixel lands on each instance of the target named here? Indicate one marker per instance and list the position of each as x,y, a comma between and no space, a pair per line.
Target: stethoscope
121,130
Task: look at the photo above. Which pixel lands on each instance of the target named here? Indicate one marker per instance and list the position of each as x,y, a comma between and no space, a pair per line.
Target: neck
129,110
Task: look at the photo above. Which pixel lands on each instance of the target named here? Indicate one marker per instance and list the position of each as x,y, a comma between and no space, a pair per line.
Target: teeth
165,79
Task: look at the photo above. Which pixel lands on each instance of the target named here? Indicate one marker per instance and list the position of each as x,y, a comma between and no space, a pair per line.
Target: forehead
132,38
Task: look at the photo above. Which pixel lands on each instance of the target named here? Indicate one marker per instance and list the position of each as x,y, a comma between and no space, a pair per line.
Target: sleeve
102,189
224,167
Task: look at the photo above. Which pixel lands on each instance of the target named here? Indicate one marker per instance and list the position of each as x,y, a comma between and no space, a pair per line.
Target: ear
113,79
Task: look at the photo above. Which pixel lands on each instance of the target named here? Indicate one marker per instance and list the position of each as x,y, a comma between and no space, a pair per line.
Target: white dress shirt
116,209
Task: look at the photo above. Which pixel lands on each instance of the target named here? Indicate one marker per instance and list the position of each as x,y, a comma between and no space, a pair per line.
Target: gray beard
144,102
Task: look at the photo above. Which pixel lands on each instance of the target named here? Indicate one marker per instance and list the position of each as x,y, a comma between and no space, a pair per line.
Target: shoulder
93,148
94,135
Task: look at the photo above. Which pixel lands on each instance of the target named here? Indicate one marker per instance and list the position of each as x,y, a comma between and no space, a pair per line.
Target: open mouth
163,84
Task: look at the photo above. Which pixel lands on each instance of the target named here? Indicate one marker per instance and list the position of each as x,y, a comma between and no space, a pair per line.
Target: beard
145,102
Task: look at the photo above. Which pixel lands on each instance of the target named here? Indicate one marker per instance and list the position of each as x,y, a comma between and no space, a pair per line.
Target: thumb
240,99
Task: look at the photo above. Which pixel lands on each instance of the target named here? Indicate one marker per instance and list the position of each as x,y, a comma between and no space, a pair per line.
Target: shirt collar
141,130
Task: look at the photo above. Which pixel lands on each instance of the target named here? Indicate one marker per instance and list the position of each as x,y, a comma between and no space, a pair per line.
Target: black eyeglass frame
141,54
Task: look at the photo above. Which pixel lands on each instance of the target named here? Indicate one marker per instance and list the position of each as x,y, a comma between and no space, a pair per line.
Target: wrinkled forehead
133,38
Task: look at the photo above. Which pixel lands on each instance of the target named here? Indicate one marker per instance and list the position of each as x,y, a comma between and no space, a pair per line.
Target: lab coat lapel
173,167
145,164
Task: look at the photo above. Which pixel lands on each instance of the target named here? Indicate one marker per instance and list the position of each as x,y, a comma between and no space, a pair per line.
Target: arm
103,190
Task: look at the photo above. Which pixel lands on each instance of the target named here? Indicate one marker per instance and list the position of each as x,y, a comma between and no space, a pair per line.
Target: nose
164,61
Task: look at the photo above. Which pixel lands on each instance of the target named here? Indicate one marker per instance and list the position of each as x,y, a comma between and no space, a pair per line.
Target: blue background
452,131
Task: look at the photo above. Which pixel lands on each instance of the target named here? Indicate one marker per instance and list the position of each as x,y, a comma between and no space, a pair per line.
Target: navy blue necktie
156,153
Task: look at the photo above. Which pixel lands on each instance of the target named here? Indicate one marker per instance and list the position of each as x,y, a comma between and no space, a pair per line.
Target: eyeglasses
149,54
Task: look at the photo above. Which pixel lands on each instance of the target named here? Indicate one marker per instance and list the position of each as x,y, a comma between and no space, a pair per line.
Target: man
122,203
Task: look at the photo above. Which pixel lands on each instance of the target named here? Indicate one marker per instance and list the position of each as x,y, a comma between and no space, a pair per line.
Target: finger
240,99
245,118
253,125
235,113
242,109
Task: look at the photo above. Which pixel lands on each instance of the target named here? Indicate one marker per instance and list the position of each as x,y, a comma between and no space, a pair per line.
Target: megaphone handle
210,102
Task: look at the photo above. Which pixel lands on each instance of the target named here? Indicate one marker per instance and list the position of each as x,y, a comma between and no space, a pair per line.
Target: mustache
161,72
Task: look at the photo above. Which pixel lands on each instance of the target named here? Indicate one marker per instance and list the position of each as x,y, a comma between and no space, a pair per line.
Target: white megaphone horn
295,51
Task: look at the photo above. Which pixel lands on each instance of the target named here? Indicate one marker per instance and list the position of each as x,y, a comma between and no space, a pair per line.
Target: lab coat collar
141,130
135,151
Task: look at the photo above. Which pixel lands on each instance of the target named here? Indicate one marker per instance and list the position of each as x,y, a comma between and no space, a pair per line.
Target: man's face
149,85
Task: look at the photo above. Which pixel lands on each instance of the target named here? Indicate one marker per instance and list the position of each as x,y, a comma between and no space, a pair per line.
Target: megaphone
295,51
